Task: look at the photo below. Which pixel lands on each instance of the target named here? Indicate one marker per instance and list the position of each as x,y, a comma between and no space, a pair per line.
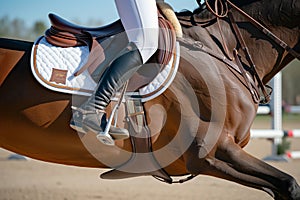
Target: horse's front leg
229,161
283,185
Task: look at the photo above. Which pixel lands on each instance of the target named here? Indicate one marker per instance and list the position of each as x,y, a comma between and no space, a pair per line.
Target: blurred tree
18,28
4,26
290,84
13,28
94,22
38,28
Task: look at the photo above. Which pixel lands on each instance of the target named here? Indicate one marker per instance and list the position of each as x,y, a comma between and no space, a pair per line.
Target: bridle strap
220,13
251,63
267,32
225,11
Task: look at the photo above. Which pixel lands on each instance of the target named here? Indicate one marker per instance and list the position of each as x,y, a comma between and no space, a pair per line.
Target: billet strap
136,116
142,143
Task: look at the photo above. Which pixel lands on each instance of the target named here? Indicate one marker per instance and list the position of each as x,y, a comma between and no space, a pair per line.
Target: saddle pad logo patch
59,76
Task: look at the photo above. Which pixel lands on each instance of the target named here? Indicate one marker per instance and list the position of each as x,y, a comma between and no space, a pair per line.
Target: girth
142,161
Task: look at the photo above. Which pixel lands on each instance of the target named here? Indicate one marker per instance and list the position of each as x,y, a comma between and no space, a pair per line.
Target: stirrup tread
85,112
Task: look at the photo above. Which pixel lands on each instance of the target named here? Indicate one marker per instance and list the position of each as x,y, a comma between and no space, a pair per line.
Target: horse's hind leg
246,165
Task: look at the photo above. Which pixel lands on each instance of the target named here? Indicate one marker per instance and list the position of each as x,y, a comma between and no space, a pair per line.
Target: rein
222,10
267,32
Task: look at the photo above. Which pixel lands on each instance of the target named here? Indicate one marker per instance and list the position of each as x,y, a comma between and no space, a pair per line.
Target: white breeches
139,18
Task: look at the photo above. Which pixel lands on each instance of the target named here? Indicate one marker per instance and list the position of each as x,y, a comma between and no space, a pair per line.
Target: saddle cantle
63,33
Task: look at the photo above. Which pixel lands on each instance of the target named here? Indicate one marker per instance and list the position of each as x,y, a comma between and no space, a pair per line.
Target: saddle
64,34
109,41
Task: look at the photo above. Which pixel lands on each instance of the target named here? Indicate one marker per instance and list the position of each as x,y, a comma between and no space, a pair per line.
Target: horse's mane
202,11
279,11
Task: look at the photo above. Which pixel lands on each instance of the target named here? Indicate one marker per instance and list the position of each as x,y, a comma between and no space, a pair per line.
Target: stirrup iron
114,114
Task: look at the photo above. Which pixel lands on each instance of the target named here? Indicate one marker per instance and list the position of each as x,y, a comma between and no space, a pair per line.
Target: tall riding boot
91,115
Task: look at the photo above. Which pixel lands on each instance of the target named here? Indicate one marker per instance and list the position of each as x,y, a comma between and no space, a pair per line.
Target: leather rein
221,10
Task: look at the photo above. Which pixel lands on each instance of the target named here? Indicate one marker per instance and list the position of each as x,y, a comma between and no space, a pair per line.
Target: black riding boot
91,115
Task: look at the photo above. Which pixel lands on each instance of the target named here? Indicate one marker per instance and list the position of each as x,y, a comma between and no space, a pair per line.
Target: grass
289,121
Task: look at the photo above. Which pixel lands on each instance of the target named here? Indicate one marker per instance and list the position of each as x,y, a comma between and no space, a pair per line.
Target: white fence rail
276,133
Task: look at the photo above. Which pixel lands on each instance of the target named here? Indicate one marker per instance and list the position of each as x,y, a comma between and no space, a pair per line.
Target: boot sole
104,138
118,133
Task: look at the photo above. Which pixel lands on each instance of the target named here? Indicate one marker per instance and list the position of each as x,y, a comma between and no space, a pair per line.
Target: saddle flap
143,76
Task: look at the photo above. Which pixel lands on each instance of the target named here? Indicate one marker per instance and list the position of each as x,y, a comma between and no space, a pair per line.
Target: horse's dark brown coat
199,125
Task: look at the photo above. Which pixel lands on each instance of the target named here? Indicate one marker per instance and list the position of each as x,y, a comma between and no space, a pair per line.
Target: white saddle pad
54,68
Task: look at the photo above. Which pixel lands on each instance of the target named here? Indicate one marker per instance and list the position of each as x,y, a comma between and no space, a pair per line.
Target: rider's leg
91,115
139,18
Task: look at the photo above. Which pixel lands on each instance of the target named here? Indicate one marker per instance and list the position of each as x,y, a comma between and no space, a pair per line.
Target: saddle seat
104,31
63,33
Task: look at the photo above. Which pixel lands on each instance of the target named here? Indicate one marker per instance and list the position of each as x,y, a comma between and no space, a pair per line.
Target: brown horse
198,126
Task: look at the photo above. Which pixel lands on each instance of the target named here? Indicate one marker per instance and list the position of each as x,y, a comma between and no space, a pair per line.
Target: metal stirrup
114,112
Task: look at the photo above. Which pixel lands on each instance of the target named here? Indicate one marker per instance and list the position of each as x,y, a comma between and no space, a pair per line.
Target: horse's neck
278,58
266,55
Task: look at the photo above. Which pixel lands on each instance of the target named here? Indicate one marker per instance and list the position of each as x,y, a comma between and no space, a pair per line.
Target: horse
199,125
